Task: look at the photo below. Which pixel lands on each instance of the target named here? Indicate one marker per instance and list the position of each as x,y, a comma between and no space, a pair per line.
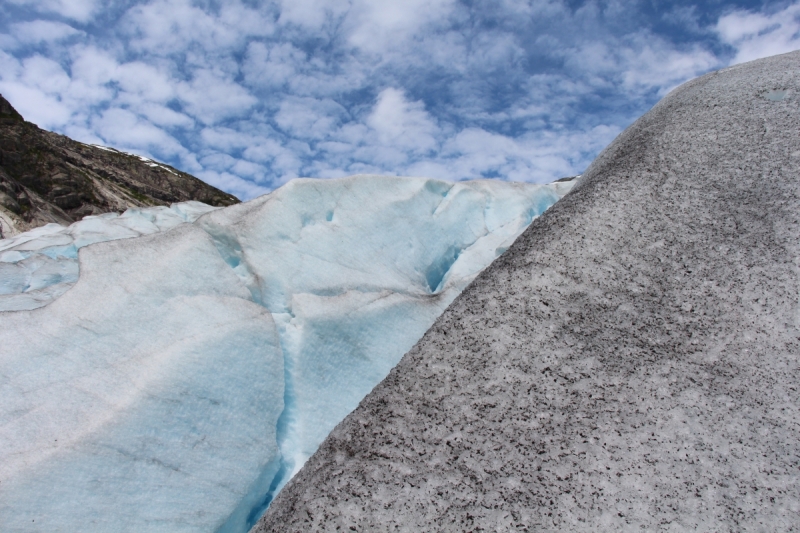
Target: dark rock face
630,363
46,177
8,115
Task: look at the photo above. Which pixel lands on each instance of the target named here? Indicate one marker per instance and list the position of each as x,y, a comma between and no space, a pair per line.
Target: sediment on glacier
630,362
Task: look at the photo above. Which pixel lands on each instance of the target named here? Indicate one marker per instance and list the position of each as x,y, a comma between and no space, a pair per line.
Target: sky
249,94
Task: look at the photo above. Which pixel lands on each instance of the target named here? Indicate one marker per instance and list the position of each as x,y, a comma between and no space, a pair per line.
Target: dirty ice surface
191,371
40,265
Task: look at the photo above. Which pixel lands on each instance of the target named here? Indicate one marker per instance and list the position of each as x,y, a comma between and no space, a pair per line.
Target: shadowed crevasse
630,362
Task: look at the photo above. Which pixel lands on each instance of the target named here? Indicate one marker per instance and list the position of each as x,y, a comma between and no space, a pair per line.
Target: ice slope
189,373
40,265
130,399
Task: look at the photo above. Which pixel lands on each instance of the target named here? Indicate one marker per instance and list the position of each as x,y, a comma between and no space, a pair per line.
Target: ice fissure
244,335
436,273
230,250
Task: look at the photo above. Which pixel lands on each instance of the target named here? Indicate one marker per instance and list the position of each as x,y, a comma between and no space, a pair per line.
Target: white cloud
164,27
378,26
226,139
7,42
36,105
311,14
250,170
78,10
495,49
124,129
30,86
210,98
98,77
539,157
37,31
44,74
309,118
264,150
140,82
82,133
271,66
254,93
685,17
289,161
402,124
242,189
224,165
92,65
161,115
641,62
93,72
656,64
757,35
169,27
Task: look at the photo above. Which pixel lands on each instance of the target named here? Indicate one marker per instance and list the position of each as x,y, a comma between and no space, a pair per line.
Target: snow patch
146,160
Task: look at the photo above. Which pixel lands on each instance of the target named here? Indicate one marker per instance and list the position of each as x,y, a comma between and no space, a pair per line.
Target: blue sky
249,94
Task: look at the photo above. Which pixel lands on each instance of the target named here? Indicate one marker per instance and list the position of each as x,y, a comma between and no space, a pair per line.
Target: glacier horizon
202,355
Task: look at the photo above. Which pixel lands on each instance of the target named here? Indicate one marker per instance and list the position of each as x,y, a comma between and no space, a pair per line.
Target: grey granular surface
631,363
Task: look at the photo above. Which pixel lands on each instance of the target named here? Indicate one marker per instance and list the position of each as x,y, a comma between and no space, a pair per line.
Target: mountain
632,361
46,177
169,369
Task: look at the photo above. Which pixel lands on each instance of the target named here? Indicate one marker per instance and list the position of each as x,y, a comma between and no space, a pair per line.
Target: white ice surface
188,374
130,403
32,264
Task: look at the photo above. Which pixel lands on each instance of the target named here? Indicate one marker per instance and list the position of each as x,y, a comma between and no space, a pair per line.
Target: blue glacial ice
177,380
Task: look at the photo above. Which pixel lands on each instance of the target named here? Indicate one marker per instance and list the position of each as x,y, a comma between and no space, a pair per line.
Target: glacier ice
117,396
39,265
189,372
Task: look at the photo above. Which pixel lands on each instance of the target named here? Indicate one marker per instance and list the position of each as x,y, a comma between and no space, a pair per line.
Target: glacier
40,265
170,369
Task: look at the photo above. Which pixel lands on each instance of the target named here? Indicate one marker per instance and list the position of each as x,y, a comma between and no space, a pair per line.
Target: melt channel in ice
189,373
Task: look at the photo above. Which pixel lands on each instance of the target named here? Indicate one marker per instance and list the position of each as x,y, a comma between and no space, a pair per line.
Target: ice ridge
332,282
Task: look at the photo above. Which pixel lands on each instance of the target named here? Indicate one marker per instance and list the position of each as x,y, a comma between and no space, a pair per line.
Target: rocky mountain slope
46,177
630,363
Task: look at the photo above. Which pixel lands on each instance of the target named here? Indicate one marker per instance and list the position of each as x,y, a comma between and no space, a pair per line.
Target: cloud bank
248,95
